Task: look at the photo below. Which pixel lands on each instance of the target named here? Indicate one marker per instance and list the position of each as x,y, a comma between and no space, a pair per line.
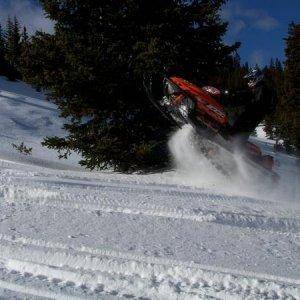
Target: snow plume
193,168
191,165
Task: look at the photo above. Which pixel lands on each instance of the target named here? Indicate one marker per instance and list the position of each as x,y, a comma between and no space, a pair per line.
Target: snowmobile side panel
204,101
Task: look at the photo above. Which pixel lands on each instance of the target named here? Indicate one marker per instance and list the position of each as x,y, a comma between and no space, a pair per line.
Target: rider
253,104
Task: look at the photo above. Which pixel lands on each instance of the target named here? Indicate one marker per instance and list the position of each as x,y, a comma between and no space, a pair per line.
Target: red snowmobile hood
205,101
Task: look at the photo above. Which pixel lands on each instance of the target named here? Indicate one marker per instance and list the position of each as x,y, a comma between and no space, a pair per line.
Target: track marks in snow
70,234
19,285
82,266
100,200
129,274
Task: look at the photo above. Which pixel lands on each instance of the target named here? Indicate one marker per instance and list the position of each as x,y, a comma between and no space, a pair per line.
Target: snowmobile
185,103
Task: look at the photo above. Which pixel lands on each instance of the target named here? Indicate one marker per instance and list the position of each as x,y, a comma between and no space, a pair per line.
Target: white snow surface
191,233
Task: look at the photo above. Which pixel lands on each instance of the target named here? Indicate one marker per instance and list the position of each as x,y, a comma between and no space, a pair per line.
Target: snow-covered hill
188,234
25,116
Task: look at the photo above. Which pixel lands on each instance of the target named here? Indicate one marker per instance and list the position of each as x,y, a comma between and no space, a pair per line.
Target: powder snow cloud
29,14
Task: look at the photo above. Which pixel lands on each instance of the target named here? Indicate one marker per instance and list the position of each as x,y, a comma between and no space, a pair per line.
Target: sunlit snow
191,233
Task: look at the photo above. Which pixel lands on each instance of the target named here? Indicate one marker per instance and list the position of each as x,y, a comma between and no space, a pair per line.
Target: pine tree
25,43
278,65
2,52
13,47
284,124
2,42
291,116
274,75
272,64
100,55
24,37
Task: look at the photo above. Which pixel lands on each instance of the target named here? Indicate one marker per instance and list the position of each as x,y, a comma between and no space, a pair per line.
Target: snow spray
194,169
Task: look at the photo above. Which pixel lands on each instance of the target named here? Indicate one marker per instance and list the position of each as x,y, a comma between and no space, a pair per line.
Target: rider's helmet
254,77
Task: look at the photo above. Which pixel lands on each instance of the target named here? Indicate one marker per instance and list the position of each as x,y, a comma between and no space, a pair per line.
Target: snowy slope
187,234
27,117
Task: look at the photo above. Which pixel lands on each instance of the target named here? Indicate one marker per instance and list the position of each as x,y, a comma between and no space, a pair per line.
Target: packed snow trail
146,239
66,233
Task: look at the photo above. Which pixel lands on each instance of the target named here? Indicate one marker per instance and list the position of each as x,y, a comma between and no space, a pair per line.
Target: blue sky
28,12
261,25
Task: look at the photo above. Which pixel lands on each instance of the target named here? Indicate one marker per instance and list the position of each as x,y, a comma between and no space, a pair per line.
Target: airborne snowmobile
185,103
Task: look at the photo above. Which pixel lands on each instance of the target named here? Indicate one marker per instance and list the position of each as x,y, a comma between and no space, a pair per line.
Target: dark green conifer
24,37
97,59
2,52
13,48
291,101
284,124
